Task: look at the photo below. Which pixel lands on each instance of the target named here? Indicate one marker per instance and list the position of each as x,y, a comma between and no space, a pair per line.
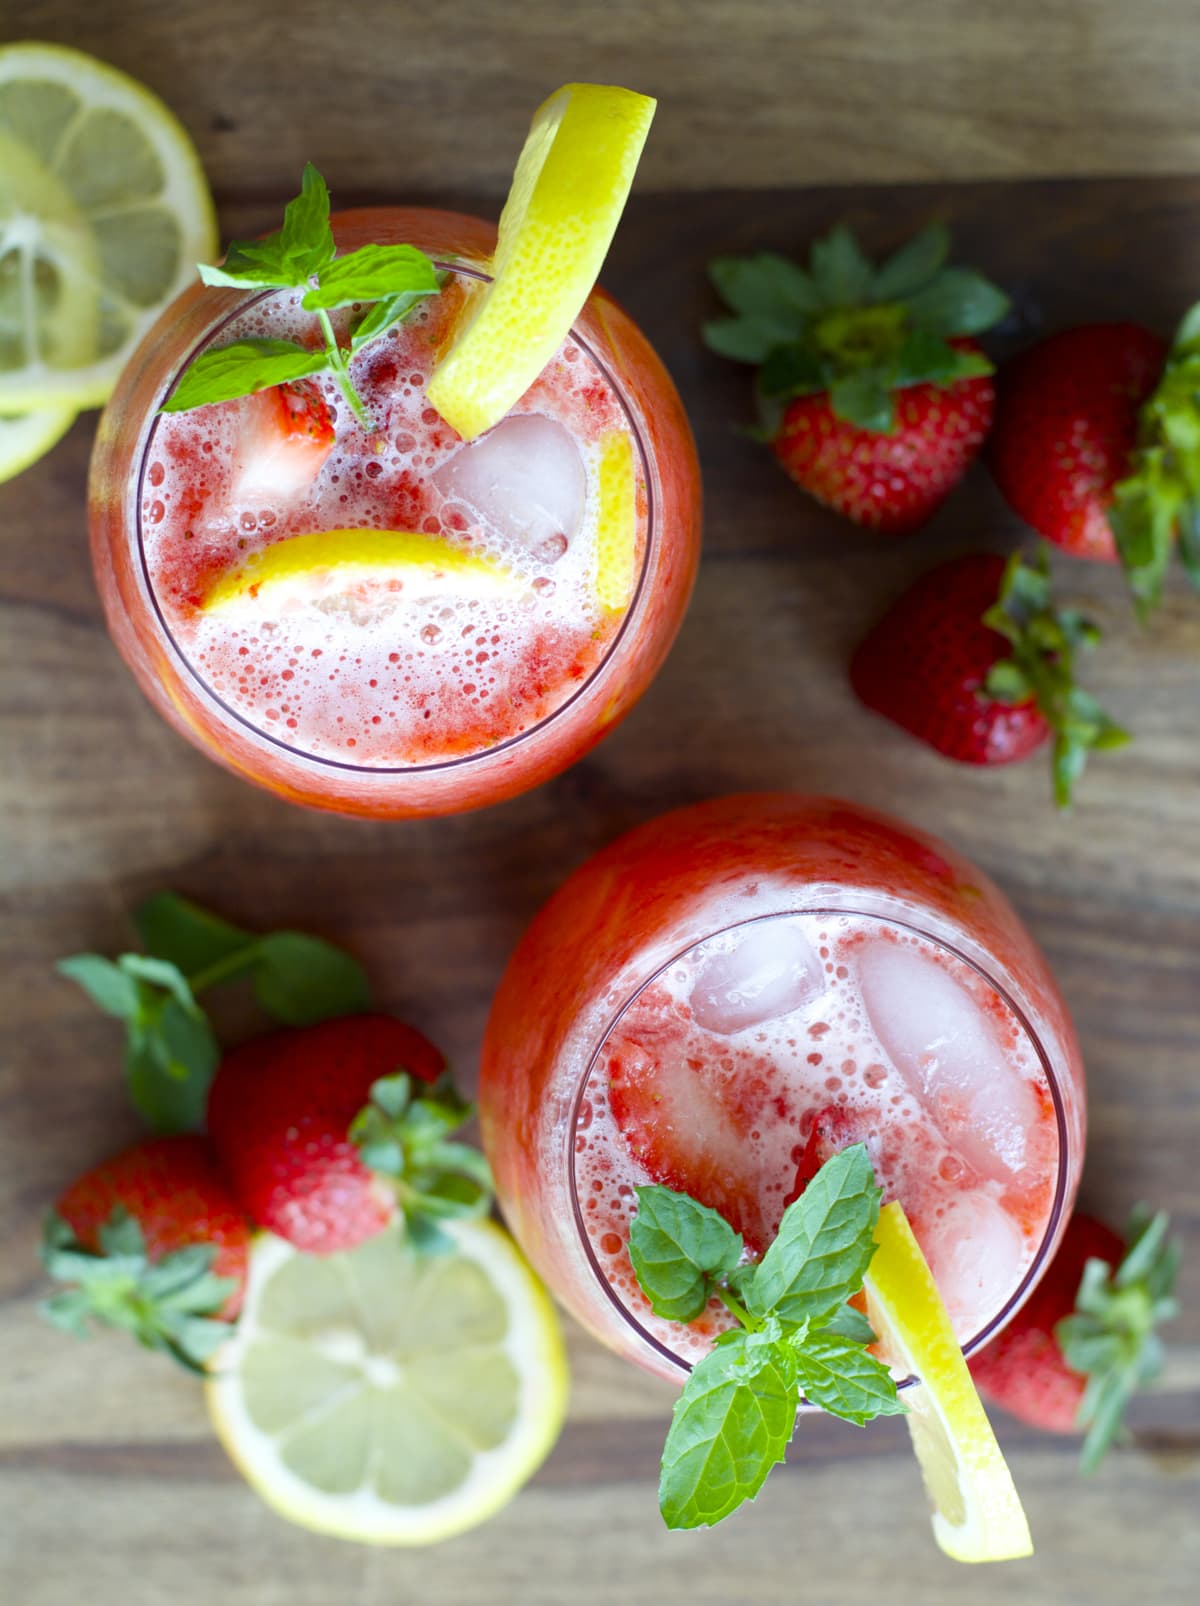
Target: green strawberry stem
1156,507
169,1304
406,1140
1111,1336
1041,668
846,327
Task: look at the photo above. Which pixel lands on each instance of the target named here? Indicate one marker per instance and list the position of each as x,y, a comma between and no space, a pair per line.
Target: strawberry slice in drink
694,1123
833,1129
286,434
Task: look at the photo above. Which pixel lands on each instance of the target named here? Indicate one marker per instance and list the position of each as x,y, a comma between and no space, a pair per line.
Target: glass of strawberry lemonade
358,608
728,995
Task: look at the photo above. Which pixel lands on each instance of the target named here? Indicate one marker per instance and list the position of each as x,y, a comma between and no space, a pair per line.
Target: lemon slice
568,192
104,211
388,1398
332,565
25,437
977,1514
616,529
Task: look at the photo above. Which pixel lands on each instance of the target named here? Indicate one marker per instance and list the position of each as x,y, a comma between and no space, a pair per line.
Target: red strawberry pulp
761,1052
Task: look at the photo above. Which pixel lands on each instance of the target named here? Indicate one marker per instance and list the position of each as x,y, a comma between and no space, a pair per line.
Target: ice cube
525,478
975,1252
942,1044
770,971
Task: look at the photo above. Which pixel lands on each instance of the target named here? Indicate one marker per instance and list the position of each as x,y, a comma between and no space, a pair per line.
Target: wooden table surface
111,1489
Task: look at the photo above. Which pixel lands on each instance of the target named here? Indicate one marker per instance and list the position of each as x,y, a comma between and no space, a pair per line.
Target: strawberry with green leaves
877,395
975,660
329,1133
1097,446
1085,1340
152,1242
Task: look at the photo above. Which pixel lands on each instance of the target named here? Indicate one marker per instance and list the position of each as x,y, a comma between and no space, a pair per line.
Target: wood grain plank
753,92
101,804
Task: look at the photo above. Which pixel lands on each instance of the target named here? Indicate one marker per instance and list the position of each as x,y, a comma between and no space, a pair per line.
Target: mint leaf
913,265
824,1245
383,315
105,983
371,273
173,928
247,366
301,979
678,1247
850,1323
731,1424
306,240
843,1378
249,265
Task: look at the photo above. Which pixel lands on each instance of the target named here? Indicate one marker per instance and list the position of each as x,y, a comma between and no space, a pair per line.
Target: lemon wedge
24,437
390,1398
568,192
977,1514
328,565
616,530
104,211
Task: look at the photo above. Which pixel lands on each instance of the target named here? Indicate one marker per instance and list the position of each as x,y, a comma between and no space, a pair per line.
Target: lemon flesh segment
389,1398
24,437
329,564
104,212
568,192
977,1514
616,529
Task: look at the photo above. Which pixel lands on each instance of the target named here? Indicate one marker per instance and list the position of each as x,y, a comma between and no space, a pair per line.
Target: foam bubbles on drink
375,675
815,1014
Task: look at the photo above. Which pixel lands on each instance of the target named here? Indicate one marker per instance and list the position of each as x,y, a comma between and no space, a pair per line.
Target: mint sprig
171,1051
303,254
797,1336
404,1134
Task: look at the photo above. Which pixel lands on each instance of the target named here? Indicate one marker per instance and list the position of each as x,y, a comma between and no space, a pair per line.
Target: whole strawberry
877,397
1096,446
974,660
151,1241
1067,426
1085,1340
325,1134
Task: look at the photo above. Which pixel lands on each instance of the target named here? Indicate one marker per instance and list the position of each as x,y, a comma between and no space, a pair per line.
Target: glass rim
1036,1266
440,766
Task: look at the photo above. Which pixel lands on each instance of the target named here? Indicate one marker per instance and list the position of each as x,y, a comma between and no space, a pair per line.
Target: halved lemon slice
568,192
977,1514
318,569
388,1398
616,530
25,437
104,211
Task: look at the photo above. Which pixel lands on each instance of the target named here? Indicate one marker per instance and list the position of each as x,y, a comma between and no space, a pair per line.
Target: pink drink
422,692
728,995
